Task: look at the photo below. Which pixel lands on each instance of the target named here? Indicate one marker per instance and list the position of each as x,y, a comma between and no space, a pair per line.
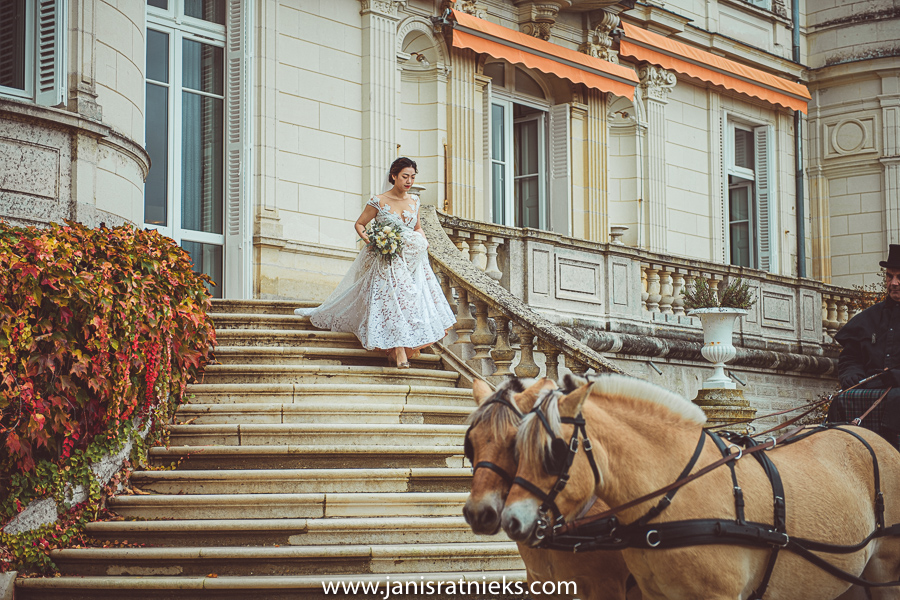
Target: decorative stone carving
849,137
779,8
600,39
537,19
656,82
469,7
387,8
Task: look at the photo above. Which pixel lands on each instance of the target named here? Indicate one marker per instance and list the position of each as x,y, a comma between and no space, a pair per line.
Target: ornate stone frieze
469,7
600,38
656,82
387,8
779,8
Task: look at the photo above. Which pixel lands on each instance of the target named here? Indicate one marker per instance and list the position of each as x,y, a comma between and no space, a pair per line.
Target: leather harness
605,532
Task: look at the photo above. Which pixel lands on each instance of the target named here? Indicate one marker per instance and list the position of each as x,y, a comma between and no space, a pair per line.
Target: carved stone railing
469,283
628,301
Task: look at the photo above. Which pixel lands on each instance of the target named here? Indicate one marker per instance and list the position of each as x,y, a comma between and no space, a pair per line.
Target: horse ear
481,391
526,400
572,382
570,405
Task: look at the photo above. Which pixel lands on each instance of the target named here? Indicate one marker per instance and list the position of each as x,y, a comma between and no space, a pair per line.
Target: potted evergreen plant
717,313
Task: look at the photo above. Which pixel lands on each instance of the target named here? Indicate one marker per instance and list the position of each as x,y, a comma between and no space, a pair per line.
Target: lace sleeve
373,202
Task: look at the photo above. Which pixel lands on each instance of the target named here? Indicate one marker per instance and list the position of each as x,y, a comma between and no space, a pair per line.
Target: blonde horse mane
496,415
532,441
620,387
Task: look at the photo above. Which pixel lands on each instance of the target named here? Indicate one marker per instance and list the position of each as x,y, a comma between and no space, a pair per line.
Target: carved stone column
462,153
596,227
599,38
656,84
380,85
820,224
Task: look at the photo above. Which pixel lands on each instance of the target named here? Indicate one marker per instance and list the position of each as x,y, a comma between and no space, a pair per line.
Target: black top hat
893,261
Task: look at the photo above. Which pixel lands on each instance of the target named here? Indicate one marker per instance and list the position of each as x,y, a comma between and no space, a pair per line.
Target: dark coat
870,343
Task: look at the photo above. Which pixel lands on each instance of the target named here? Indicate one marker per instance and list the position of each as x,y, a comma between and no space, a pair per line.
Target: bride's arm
367,215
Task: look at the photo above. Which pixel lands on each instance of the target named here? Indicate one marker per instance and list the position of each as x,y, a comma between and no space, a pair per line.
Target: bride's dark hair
400,164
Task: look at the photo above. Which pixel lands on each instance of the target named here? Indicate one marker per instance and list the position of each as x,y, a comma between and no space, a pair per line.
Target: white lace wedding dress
389,303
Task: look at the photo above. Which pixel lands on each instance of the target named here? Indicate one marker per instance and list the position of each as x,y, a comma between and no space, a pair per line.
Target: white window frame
46,26
234,39
763,244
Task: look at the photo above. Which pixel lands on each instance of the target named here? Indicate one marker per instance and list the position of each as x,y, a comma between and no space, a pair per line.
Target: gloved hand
891,378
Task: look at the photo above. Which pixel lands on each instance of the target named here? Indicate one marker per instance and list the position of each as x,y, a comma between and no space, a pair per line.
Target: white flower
386,229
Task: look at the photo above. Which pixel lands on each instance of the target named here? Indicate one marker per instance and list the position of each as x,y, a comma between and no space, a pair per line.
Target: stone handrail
474,286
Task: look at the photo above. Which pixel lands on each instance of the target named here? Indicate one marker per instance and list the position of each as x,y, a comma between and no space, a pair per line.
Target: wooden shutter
762,172
238,252
560,170
49,52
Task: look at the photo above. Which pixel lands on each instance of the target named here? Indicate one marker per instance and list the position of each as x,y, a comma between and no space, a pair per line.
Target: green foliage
737,294
864,296
99,329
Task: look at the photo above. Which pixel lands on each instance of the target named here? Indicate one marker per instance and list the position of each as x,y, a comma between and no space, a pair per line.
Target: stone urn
718,326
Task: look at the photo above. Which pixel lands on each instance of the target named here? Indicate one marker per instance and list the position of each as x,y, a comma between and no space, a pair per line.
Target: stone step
320,355
342,374
286,337
325,394
307,457
289,532
269,412
268,588
289,560
260,307
288,506
303,481
312,434
242,321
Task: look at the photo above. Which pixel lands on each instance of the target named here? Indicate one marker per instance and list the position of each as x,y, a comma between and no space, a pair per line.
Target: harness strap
667,498
496,469
858,420
738,492
879,497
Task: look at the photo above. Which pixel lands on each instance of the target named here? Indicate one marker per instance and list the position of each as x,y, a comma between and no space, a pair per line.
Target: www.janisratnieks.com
475,589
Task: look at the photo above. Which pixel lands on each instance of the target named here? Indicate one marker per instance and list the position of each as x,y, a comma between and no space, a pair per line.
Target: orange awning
670,54
518,48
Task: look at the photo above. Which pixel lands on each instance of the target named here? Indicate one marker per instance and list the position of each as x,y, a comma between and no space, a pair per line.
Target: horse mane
532,441
621,387
496,415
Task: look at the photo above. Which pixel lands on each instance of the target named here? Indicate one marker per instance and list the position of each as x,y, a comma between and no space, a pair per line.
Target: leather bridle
469,451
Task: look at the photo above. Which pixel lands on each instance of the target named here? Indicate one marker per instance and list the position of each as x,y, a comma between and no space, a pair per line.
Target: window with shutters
748,208
528,156
32,44
195,133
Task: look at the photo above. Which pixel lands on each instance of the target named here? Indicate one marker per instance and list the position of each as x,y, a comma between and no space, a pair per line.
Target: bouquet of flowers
384,239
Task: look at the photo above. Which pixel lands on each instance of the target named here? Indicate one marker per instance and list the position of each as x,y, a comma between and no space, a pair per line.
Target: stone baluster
446,286
842,311
503,354
551,359
577,368
644,293
825,314
492,269
831,322
678,283
653,295
465,324
460,238
477,253
481,337
666,291
526,367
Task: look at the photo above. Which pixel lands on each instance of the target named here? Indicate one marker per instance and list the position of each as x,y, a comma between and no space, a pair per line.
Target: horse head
490,446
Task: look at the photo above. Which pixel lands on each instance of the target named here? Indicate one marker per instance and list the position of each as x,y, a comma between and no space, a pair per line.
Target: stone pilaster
599,37
597,206
380,83
462,151
82,82
819,225
890,111
656,84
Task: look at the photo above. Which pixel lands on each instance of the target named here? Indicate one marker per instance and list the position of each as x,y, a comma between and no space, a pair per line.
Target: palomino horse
490,444
644,435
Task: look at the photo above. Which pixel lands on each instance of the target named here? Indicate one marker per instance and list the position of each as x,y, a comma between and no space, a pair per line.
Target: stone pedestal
723,406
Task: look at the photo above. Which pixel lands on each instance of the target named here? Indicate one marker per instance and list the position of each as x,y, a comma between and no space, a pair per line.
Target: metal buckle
658,540
774,442
740,451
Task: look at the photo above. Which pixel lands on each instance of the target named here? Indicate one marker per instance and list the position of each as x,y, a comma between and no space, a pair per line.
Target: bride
394,304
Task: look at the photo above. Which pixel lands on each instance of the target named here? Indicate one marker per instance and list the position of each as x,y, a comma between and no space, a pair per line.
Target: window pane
528,202
526,84
158,56
739,204
157,129
12,44
743,148
498,133
740,244
498,193
495,71
526,148
208,10
207,258
201,177
163,4
203,67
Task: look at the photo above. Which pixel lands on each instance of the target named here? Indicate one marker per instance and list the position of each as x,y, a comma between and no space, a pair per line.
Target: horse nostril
515,526
467,515
489,515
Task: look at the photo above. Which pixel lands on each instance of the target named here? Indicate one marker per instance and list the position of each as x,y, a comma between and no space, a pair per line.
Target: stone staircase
302,459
